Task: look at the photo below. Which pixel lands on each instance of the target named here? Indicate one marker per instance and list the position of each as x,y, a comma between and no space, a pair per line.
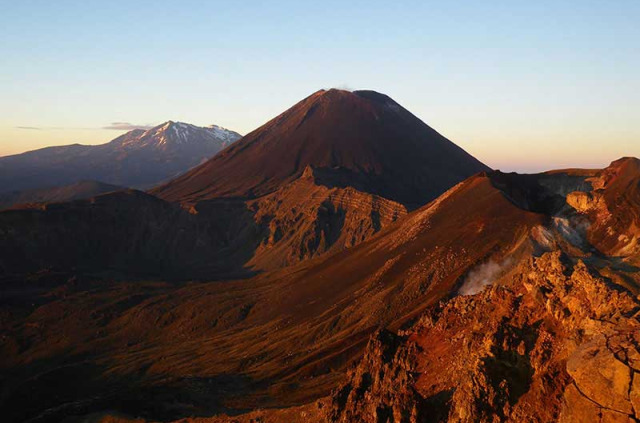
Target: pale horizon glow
523,87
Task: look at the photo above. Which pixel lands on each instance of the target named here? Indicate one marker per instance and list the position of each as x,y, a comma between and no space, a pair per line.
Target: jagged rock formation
558,343
380,387
304,219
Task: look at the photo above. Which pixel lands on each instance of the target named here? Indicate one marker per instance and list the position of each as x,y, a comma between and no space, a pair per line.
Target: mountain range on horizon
136,159
342,263
59,194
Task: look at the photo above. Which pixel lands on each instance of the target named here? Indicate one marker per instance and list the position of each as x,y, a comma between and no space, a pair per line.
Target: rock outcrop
381,387
559,343
305,219
548,333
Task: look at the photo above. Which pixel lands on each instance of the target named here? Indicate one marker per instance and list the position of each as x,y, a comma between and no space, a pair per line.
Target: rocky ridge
560,343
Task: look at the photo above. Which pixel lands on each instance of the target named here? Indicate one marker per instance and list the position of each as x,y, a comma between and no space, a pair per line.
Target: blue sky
521,85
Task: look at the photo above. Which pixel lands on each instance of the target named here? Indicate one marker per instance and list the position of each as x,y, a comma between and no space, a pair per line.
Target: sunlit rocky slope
503,300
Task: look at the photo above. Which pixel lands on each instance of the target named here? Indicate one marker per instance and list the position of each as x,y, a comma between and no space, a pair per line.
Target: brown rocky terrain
304,219
552,338
139,235
555,343
336,168
611,207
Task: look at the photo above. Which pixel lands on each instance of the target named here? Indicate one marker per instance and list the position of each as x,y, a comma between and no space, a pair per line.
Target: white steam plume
484,275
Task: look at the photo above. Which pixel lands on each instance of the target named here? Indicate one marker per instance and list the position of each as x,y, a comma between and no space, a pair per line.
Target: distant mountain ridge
139,159
77,191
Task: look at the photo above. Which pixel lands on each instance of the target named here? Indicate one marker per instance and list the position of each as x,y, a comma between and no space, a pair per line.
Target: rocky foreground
511,298
558,343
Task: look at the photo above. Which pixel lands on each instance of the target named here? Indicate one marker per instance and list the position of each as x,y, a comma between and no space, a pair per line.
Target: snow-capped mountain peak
225,134
137,158
172,134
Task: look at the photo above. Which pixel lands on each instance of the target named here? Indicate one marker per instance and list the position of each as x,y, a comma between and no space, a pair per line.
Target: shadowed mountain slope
129,232
137,234
336,168
361,139
77,191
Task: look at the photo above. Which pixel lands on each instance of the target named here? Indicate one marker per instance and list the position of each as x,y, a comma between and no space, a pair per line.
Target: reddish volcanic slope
361,139
519,349
324,176
614,208
277,339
